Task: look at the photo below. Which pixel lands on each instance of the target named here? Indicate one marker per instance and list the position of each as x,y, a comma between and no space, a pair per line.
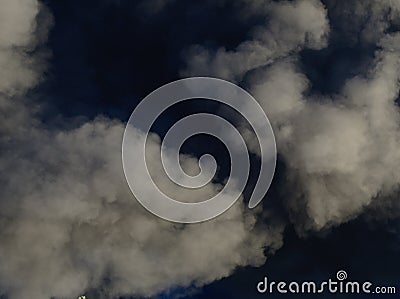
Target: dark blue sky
107,55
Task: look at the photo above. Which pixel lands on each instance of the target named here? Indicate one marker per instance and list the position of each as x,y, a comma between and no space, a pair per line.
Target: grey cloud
73,223
341,150
364,21
68,220
290,26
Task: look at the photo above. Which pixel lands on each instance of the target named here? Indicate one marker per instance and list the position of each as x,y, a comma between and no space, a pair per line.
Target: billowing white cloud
68,221
342,151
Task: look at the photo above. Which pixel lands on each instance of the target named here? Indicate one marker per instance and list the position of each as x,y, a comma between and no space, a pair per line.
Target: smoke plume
341,150
68,220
